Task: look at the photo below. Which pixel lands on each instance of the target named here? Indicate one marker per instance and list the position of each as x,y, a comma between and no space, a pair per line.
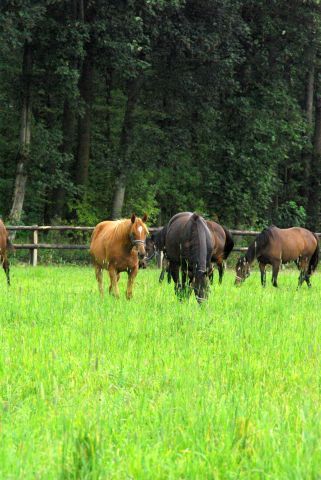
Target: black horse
189,246
155,244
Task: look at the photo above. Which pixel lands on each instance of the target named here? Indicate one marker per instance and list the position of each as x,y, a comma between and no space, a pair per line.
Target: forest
109,107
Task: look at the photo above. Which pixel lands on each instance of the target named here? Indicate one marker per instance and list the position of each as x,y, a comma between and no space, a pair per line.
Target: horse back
176,235
99,242
179,238
291,243
219,237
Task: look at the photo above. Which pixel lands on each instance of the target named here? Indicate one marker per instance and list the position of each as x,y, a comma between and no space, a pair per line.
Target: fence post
34,250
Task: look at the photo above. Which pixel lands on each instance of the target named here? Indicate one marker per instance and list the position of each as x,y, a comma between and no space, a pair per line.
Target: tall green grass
154,388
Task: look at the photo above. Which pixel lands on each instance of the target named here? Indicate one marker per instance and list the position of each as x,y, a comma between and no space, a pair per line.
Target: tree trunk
67,146
306,154
315,171
23,156
58,195
310,95
119,196
109,85
133,87
84,125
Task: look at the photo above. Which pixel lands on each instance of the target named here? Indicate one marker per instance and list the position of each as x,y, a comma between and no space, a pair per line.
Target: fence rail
35,245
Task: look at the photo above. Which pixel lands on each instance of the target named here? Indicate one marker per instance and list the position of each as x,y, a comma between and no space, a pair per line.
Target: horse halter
246,275
148,259
135,242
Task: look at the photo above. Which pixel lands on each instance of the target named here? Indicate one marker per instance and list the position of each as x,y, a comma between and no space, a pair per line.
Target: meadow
154,388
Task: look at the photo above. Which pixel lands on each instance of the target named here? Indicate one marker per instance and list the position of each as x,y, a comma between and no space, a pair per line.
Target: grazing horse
117,247
5,245
156,243
189,246
223,245
274,246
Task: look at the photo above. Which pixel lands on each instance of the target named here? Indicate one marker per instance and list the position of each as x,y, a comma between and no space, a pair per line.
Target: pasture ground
155,389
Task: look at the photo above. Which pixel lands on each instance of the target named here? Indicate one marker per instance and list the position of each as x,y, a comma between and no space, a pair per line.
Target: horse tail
229,243
314,260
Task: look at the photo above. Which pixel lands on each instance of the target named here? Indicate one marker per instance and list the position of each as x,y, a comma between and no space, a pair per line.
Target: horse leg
164,270
6,268
303,266
174,271
99,278
184,277
307,279
263,274
186,282
114,277
220,266
167,270
169,277
211,273
275,272
131,277
162,275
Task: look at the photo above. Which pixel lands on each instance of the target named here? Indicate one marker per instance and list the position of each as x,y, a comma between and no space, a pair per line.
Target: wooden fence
36,230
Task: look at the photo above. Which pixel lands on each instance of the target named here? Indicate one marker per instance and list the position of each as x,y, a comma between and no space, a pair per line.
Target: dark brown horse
117,247
274,246
189,246
223,245
5,245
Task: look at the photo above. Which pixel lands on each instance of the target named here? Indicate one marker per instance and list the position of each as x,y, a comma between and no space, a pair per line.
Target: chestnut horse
117,246
5,245
274,246
223,245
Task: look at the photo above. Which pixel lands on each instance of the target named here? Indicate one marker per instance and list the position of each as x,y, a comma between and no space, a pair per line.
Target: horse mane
259,243
121,229
198,243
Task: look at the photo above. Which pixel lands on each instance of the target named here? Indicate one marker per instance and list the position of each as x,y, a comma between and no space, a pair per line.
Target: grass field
155,389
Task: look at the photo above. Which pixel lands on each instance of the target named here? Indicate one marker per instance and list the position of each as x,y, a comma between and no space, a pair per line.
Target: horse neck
251,253
160,239
123,233
199,246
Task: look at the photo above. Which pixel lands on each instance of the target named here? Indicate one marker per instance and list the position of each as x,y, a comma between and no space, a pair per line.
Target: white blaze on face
140,229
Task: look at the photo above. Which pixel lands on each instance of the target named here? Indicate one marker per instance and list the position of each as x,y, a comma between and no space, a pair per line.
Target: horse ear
133,218
145,216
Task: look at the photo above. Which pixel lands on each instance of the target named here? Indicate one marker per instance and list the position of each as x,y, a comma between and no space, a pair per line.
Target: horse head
200,285
137,234
242,270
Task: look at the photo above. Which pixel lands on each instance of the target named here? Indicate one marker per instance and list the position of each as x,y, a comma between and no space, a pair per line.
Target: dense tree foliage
114,106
